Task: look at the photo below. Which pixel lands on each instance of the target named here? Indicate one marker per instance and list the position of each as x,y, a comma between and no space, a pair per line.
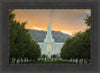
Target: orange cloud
65,20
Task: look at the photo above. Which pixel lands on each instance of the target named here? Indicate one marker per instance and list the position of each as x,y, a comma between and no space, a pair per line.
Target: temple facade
49,47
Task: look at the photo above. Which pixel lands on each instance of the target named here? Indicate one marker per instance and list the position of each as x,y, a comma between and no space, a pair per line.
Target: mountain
39,35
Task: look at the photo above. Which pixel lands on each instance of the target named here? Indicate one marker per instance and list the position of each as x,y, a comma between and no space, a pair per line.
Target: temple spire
49,18
49,37
49,29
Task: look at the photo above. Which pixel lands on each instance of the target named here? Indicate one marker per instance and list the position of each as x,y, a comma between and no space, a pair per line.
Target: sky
68,21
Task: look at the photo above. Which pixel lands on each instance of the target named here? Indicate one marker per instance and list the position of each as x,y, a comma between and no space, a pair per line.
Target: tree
88,20
54,56
21,41
78,47
43,56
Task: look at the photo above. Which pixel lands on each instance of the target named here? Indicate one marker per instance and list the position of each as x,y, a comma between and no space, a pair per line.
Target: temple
49,47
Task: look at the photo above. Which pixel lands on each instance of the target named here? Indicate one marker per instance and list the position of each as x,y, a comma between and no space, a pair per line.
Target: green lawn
49,62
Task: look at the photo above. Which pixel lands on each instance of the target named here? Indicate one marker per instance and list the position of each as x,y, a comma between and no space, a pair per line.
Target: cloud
66,32
67,20
37,28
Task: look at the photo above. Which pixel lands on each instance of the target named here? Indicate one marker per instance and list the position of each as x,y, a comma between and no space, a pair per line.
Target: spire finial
49,18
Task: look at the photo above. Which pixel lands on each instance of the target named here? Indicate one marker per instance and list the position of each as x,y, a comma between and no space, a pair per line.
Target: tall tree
20,40
79,45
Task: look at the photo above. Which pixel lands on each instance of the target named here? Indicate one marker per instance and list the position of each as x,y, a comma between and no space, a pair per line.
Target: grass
47,62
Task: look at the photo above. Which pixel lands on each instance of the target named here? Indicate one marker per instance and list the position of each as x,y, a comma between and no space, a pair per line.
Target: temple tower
49,42
49,37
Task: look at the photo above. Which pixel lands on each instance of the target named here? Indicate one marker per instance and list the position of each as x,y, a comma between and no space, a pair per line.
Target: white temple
49,46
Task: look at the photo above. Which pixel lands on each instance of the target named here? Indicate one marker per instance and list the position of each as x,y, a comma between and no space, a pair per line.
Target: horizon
53,30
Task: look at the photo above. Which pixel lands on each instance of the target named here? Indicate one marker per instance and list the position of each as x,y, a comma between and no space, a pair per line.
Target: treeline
54,57
21,44
78,47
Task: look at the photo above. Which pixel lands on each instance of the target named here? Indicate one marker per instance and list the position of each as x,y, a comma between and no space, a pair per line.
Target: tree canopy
21,43
79,45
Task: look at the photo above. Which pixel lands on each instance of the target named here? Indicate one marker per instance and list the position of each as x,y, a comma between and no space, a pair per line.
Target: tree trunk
83,61
23,60
15,60
78,61
20,60
87,61
72,60
36,59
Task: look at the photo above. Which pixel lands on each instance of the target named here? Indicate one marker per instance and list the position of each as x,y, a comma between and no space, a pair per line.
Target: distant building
49,47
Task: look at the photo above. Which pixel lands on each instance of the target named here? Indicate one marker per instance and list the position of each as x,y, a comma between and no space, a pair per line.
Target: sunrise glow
36,28
68,21
66,32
